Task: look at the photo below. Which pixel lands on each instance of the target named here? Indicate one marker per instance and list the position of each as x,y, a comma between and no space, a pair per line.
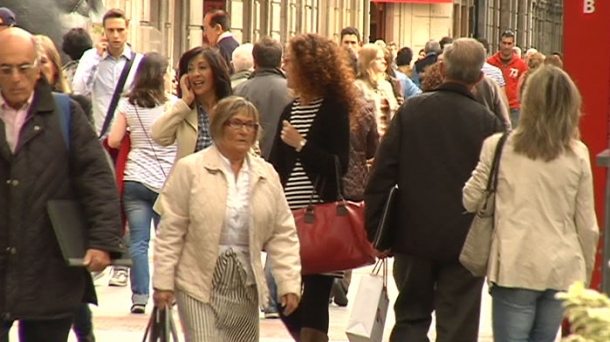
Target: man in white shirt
98,76
99,69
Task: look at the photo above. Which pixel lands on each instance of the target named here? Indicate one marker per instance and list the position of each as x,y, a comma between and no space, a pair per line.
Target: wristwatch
301,144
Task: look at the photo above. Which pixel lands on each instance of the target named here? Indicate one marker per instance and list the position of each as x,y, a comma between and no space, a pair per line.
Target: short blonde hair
47,47
550,111
228,108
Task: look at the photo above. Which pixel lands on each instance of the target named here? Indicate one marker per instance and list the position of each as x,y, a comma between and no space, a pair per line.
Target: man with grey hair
242,64
48,151
429,151
432,50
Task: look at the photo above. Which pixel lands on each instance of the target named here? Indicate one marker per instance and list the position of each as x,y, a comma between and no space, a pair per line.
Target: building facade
174,26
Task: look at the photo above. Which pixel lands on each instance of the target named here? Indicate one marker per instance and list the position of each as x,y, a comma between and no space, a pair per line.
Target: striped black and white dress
299,188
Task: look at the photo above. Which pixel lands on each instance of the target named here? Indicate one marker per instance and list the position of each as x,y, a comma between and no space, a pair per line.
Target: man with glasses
7,18
40,161
512,68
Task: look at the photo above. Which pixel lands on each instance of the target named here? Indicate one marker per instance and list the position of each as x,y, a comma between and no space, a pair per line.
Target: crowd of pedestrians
218,158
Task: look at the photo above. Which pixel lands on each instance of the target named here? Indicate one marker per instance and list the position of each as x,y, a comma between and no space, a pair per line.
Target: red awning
416,1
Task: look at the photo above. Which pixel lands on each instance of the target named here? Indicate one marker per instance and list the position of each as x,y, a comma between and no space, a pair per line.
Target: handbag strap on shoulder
492,182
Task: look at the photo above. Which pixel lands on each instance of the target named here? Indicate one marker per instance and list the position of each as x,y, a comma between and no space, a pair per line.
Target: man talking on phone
105,73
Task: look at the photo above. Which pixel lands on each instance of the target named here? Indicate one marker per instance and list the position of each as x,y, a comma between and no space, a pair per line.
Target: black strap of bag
492,182
152,146
161,326
117,94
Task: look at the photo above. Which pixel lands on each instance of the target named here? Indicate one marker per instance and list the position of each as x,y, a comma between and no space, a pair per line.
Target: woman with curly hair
314,134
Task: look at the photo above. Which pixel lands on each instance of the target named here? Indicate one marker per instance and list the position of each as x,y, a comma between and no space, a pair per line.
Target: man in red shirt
512,67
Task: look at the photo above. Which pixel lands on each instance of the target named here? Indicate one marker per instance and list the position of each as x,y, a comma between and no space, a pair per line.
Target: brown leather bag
332,235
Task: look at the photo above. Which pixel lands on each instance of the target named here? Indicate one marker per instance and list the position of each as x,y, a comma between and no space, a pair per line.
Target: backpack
62,101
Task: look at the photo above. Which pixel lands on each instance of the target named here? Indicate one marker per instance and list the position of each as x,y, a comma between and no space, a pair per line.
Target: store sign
419,1
589,7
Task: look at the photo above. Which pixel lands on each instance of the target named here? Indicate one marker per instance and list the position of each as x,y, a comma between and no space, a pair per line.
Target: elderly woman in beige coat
222,207
545,227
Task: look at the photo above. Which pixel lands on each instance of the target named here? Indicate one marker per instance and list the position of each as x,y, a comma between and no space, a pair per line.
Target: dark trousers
313,308
39,331
83,325
425,286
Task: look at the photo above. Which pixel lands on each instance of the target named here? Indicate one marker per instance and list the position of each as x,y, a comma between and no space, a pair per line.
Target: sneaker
339,294
138,309
272,315
119,277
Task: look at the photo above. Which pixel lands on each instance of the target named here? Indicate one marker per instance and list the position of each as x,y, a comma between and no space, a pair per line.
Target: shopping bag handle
381,266
156,317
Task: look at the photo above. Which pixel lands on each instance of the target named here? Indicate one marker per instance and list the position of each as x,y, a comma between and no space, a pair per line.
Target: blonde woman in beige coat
372,83
545,227
222,207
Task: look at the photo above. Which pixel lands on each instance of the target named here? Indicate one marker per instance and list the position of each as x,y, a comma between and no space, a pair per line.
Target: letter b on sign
589,7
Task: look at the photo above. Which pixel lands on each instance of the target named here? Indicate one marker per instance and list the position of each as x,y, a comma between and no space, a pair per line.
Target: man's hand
289,302
101,46
383,254
290,135
96,260
163,298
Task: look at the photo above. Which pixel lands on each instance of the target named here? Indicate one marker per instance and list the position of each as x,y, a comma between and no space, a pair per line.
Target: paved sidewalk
114,323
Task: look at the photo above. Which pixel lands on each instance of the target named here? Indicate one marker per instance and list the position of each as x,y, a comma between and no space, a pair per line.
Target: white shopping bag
367,319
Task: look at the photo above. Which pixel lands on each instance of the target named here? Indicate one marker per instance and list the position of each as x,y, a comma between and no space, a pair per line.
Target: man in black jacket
36,166
216,28
430,150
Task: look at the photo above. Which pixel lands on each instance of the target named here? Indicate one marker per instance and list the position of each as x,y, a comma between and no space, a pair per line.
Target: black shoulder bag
117,94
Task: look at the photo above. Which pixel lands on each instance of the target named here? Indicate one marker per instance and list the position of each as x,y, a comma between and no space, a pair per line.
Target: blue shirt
408,87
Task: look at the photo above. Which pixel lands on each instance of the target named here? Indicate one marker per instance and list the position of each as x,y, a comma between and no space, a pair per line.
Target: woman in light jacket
204,80
208,253
545,226
372,83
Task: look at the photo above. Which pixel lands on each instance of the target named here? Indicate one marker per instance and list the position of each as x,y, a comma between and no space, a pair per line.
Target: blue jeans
521,315
138,201
514,117
272,308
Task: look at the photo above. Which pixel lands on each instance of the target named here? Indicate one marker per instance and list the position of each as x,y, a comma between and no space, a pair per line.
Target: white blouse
235,234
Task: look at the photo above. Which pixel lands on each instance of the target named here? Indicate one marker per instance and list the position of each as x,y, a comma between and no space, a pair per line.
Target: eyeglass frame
250,125
6,70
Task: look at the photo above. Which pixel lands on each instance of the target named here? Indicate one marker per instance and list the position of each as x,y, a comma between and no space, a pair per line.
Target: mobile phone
188,83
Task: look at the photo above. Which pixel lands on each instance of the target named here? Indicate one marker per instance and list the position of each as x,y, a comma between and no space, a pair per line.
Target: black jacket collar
456,88
43,98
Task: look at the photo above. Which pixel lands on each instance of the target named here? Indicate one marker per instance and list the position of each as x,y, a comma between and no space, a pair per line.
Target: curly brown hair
432,77
322,69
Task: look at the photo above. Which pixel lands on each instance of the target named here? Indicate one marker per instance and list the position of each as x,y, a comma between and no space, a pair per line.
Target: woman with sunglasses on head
147,166
222,207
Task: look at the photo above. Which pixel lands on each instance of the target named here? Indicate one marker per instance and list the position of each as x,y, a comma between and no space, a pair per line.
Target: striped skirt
232,313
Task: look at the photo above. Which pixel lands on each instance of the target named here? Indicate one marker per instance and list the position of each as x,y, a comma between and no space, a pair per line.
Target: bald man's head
19,66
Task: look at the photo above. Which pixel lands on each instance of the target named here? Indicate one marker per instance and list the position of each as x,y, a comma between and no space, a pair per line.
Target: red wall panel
587,60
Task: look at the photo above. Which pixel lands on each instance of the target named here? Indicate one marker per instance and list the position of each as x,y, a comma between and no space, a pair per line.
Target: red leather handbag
119,159
332,235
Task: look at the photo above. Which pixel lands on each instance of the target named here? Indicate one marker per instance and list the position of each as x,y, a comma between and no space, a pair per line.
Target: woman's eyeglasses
237,124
